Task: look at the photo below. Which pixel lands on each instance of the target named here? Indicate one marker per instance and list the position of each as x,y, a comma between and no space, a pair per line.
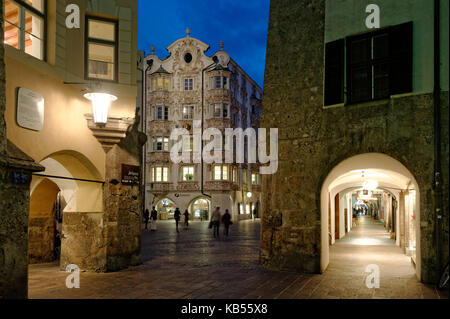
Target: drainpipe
437,134
203,119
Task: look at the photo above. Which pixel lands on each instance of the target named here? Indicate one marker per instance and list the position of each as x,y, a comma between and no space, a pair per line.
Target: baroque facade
178,89
365,102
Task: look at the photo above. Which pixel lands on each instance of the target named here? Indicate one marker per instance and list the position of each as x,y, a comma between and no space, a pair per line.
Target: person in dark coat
177,215
226,221
154,216
186,218
146,218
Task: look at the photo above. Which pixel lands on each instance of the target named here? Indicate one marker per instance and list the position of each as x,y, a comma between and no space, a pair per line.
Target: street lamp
101,103
249,195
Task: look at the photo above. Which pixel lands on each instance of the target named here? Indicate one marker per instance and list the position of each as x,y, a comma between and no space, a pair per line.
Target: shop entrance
370,200
199,209
165,208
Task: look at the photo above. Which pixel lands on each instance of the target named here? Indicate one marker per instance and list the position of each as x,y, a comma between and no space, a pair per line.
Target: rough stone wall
2,86
313,140
290,237
14,201
41,243
83,241
123,214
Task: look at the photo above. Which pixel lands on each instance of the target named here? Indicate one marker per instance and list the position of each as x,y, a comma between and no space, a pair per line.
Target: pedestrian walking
154,216
146,218
177,215
226,221
215,220
186,218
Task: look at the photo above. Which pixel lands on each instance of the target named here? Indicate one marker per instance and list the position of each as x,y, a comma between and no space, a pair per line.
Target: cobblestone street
192,265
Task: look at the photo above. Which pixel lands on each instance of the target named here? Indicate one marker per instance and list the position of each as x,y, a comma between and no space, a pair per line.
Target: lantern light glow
370,185
101,103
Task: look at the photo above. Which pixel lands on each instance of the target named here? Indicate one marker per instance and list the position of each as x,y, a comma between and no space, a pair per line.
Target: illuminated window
220,172
188,173
247,209
101,49
244,176
25,26
188,144
161,144
160,174
256,179
188,84
161,84
188,112
235,174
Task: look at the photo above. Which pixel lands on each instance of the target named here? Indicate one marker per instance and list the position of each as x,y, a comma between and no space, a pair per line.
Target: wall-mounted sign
130,174
30,110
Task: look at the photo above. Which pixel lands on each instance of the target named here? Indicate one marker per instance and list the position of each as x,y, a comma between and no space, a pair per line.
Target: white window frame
164,172
164,113
190,112
224,108
188,84
258,179
165,144
190,171
223,168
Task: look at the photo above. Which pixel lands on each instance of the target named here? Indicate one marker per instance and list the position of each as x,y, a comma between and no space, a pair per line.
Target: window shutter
400,47
334,72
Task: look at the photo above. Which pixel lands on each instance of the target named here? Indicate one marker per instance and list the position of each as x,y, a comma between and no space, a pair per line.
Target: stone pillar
293,96
122,204
15,177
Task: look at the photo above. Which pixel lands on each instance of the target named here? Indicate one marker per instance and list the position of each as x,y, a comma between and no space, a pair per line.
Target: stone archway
387,171
80,186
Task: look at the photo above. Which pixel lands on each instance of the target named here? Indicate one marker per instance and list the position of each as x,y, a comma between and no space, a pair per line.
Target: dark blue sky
241,24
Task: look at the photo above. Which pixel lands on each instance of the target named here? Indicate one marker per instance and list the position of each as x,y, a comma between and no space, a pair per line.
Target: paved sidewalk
193,265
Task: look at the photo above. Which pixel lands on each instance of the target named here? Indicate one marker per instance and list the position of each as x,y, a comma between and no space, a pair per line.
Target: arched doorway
165,208
68,190
389,200
200,209
43,223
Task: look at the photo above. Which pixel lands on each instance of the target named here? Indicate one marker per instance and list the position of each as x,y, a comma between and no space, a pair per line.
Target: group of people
216,219
153,215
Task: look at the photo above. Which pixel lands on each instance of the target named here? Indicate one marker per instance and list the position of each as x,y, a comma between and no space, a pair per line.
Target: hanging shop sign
130,174
30,110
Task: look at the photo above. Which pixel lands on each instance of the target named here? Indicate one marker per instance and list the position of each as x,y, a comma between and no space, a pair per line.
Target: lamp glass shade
249,195
101,103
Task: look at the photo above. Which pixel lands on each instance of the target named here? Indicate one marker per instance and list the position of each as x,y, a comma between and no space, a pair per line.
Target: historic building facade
353,102
178,89
88,150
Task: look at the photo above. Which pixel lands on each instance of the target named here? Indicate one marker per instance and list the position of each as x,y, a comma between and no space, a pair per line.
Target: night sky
241,24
